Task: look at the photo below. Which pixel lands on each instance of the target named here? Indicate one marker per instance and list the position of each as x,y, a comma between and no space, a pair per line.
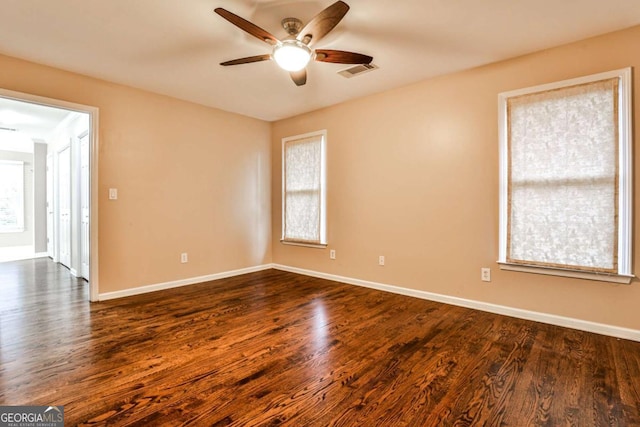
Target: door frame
93,175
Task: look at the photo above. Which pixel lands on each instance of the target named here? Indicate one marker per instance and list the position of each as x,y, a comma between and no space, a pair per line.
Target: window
303,189
565,178
11,196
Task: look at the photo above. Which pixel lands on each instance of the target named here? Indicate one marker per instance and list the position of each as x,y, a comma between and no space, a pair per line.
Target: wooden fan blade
247,60
247,26
299,77
322,23
342,57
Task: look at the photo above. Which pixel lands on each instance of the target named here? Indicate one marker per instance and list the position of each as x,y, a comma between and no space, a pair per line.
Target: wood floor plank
275,348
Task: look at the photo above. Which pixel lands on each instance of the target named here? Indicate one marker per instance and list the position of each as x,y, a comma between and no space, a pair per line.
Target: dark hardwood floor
275,348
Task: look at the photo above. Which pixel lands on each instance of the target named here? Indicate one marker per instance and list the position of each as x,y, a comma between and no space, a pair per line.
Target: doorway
64,223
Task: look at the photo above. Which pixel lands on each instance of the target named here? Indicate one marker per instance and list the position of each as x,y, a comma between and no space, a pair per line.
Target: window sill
308,245
602,277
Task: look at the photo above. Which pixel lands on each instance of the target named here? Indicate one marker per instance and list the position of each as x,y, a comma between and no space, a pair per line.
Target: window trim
323,189
625,176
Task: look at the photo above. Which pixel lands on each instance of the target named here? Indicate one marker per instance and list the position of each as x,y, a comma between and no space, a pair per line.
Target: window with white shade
11,196
565,178
303,189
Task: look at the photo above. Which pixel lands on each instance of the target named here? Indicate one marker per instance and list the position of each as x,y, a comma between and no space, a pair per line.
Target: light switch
113,194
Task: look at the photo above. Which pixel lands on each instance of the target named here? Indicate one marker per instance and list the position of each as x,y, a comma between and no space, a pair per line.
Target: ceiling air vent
356,70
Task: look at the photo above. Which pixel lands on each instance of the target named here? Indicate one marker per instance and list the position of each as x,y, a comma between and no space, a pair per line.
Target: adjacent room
314,213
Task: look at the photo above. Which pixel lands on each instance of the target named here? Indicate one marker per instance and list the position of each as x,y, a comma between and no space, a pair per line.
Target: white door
50,205
64,203
84,206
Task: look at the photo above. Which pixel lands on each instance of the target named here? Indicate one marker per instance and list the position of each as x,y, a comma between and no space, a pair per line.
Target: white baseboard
19,253
552,319
182,282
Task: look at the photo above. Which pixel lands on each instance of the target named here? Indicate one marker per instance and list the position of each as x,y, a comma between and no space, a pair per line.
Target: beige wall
190,179
413,175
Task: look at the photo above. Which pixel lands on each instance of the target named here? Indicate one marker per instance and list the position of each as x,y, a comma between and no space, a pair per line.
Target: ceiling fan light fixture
292,55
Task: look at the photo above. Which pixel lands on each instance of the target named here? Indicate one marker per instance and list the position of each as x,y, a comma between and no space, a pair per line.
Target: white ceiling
174,47
32,120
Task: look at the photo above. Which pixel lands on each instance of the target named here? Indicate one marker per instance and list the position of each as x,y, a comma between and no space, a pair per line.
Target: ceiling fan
294,52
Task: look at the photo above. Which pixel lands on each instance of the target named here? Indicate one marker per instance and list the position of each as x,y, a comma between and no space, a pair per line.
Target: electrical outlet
381,260
113,194
485,274
184,257
332,254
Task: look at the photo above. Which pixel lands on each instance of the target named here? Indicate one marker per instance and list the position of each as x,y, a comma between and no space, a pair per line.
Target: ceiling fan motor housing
292,26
